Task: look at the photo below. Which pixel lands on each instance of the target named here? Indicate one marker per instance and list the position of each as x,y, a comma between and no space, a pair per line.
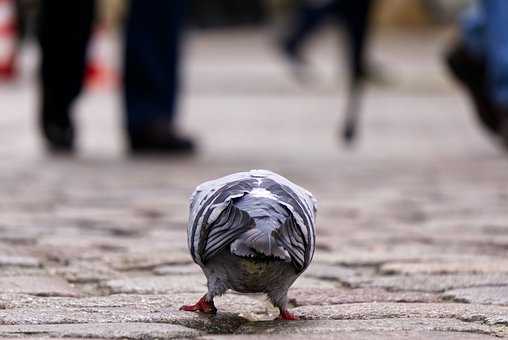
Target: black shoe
149,141
59,136
471,73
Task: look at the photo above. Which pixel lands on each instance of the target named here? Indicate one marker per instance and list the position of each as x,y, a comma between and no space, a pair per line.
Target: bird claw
287,316
202,306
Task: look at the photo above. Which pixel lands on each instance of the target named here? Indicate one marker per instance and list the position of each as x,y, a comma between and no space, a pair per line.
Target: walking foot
202,306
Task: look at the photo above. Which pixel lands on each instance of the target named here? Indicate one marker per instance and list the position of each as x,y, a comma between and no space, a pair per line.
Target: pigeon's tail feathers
289,235
227,227
255,243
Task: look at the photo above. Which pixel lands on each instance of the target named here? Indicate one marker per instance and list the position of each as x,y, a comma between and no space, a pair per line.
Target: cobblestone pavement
412,223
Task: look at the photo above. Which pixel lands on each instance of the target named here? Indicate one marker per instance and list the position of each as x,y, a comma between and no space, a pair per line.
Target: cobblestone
492,265
365,335
384,310
434,283
102,330
37,285
333,327
332,296
487,295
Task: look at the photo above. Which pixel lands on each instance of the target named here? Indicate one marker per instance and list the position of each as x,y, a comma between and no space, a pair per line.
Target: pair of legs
151,64
206,305
227,271
353,14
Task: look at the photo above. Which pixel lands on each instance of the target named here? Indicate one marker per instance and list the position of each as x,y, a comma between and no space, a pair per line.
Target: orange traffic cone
7,40
100,74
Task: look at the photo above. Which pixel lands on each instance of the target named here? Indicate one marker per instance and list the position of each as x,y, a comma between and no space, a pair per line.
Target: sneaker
155,140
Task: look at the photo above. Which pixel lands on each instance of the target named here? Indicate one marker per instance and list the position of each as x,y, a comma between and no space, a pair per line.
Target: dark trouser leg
308,19
356,15
64,32
151,65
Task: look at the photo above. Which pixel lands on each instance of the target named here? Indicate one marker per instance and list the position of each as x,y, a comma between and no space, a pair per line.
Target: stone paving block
334,327
433,283
37,285
335,272
22,271
487,295
15,234
85,272
177,270
68,251
490,315
19,261
384,253
363,335
225,322
43,338
157,284
331,296
251,307
493,265
147,260
102,331
310,282
234,310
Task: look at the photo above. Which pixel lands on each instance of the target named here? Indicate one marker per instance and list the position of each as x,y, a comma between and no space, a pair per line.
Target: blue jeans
485,32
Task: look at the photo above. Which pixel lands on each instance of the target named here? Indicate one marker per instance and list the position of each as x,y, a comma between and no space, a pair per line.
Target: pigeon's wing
214,220
291,238
298,233
231,223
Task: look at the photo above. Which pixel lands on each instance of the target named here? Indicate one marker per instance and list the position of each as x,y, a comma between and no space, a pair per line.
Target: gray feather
257,214
230,225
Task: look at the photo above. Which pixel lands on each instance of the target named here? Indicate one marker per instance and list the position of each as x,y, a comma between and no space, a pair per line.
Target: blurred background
238,51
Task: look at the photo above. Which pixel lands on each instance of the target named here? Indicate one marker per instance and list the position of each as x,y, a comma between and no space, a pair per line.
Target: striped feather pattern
224,209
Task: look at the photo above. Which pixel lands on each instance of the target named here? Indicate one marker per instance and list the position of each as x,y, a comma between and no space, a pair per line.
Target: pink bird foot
202,306
286,315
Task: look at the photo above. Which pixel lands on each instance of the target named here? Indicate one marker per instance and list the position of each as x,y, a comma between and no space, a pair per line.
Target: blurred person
151,75
152,41
353,14
479,60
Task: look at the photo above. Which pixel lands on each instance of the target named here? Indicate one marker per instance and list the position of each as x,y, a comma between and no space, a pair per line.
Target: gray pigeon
252,232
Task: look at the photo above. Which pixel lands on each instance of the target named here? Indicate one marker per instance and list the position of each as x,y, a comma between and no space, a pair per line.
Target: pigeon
251,232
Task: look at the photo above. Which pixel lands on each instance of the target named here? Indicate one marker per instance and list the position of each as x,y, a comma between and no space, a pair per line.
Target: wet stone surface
412,224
